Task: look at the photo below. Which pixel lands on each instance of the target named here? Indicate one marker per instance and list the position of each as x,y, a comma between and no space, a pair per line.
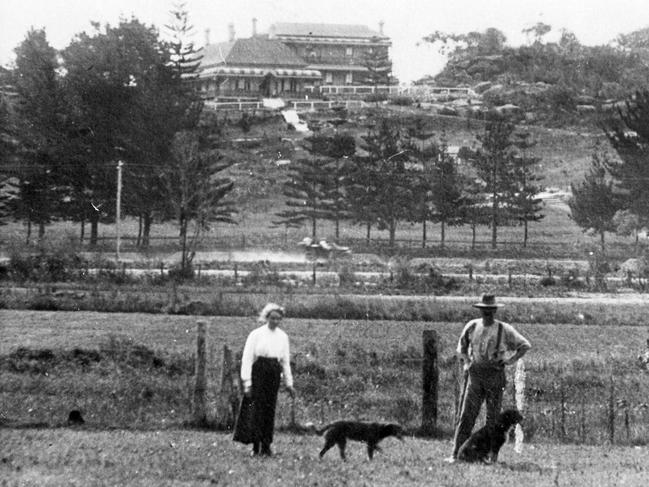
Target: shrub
180,274
548,281
376,98
401,101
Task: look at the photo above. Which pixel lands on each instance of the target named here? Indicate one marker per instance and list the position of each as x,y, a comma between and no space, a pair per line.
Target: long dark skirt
266,375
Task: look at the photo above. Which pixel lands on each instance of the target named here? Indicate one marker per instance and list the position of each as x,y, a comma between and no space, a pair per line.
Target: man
483,348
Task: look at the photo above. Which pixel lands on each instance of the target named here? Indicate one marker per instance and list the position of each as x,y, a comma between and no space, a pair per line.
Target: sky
406,22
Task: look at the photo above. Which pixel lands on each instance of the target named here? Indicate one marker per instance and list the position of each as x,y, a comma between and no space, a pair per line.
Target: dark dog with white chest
371,433
484,444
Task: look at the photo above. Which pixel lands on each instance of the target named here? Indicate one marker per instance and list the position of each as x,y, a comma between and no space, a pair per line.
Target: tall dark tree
337,150
493,163
8,149
422,151
378,64
446,191
154,116
102,90
594,203
185,60
38,112
523,202
195,189
629,136
306,194
475,209
387,192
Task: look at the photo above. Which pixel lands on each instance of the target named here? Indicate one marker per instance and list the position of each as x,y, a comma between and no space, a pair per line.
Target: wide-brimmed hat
487,301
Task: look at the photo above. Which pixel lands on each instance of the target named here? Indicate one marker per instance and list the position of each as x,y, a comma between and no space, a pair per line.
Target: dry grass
66,457
353,368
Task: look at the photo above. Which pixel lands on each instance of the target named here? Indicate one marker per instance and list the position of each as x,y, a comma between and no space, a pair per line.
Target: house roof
324,30
255,51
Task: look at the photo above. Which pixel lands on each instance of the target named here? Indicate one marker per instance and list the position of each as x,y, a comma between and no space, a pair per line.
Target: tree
446,190
101,89
379,67
593,204
339,148
306,194
8,163
38,111
537,31
475,207
629,136
195,190
422,152
493,163
385,194
159,109
185,60
524,205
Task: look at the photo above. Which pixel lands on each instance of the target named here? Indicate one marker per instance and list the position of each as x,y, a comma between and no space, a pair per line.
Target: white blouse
264,342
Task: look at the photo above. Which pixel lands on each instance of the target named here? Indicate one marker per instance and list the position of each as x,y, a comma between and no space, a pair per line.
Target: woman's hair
268,309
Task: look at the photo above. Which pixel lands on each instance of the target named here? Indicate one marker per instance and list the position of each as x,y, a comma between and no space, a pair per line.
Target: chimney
207,37
381,23
254,27
231,30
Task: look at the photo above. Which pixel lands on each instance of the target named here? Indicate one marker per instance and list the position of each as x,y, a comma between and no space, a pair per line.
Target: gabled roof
215,53
251,52
324,30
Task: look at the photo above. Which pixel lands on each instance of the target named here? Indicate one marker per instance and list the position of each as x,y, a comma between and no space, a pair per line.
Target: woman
265,359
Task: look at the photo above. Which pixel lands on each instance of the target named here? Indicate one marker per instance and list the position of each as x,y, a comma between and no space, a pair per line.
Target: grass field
65,457
136,371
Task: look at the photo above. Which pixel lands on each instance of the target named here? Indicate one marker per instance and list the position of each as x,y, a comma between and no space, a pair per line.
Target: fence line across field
566,418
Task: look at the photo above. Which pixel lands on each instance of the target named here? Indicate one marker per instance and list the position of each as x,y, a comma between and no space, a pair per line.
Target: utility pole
119,204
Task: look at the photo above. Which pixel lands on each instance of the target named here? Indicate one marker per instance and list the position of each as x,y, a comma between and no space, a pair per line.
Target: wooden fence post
229,393
200,386
611,412
430,382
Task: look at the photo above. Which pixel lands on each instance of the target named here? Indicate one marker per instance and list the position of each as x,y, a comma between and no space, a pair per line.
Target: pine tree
383,189
334,152
593,204
446,192
493,163
378,64
629,136
422,152
306,194
39,118
196,191
185,63
524,205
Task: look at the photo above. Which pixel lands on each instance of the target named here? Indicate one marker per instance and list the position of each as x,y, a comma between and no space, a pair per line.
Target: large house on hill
293,60
338,51
256,67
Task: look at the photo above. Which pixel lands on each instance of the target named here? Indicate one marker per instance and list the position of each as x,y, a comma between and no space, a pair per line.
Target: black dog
75,418
484,444
371,433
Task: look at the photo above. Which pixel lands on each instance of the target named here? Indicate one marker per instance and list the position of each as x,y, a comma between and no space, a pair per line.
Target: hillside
550,83
264,150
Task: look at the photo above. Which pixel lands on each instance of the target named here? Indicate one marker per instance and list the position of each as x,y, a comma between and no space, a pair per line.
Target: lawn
136,371
65,457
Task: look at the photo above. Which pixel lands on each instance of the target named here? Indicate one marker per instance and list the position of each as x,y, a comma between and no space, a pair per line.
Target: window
349,51
349,79
329,78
